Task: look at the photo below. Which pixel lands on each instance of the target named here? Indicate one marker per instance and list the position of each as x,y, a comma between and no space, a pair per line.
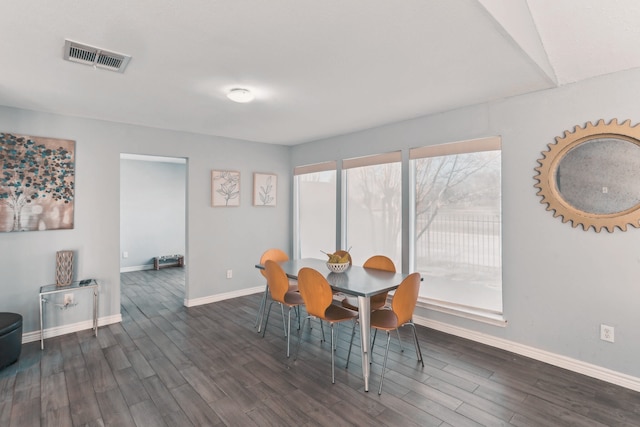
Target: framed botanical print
265,189
225,188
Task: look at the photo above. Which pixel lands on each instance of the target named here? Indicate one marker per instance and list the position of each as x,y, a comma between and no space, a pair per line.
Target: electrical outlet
68,299
229,274
125,254
607,333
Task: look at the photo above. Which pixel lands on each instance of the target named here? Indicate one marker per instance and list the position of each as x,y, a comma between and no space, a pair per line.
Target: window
373,207
457,223
315,209
453,227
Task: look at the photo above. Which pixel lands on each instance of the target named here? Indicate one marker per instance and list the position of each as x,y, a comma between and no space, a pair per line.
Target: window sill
492,318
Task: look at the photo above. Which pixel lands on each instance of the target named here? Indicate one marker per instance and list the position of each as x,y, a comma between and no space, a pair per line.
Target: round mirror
600,176
589,177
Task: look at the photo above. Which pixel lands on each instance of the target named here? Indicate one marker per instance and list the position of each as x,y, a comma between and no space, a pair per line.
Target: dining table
357,281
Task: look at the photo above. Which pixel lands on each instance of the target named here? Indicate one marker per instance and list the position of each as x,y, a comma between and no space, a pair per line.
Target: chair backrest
315,290
405,298
273,254
342,253
276,279
380,262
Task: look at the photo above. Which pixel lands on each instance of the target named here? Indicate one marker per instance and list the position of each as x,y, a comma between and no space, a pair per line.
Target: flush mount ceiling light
240,95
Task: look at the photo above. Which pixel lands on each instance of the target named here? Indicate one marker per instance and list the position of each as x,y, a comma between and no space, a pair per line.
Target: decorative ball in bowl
337,267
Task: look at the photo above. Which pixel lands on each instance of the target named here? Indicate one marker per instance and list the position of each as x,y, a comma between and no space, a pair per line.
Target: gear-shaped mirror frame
547,184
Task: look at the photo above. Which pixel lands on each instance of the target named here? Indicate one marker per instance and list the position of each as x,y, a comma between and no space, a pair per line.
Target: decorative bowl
337,267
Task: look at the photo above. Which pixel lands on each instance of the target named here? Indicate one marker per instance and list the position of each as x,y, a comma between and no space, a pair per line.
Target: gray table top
355,280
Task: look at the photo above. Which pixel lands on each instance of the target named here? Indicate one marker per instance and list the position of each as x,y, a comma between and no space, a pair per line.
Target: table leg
41,328
364,308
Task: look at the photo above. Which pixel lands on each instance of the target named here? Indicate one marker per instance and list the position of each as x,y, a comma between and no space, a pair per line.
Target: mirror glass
589,176
600,176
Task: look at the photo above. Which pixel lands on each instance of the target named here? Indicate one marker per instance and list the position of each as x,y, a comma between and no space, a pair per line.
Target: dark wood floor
170,365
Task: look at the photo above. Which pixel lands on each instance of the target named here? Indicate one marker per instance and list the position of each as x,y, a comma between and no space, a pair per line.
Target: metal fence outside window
465,241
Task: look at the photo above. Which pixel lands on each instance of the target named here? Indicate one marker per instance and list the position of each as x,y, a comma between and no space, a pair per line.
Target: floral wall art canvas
37,183
225,188
265,187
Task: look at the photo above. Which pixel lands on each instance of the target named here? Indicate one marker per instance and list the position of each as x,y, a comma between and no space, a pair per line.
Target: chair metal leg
353,334
400,341
295,356
297,308
284,322
373,343
418,351
267,321
322,328
384,365
298,314
288,330
333,374
263,305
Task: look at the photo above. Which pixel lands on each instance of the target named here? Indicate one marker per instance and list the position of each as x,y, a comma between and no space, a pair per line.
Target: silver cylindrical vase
64,268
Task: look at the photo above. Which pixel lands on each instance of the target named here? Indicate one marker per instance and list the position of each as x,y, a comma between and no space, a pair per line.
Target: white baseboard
68,329
574,365
594,371
221,297
136,268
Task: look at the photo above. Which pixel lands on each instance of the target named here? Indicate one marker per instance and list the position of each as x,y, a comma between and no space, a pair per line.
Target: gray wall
152,211
217,238
560,283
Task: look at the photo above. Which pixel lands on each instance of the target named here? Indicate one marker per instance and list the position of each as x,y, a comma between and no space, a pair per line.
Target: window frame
303,170
462,147
391,157
407,170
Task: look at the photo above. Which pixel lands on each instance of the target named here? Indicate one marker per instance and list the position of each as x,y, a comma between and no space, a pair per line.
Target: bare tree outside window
458,227
374,211
463,182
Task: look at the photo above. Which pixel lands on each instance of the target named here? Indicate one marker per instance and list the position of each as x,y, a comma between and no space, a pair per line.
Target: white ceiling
318,68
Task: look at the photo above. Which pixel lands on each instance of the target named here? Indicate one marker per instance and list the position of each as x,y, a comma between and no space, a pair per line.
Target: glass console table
48,290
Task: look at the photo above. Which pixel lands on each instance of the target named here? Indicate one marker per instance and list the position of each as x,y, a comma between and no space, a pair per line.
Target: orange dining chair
317,295
277,255
378,302
341,253
377,262
278,284
402,306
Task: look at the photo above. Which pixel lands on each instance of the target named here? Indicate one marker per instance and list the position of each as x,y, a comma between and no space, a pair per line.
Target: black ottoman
10,338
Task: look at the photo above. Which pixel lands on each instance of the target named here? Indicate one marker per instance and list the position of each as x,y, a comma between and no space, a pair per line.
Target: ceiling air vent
98,58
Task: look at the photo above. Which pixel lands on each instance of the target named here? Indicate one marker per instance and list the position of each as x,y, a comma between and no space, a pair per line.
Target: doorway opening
153,221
